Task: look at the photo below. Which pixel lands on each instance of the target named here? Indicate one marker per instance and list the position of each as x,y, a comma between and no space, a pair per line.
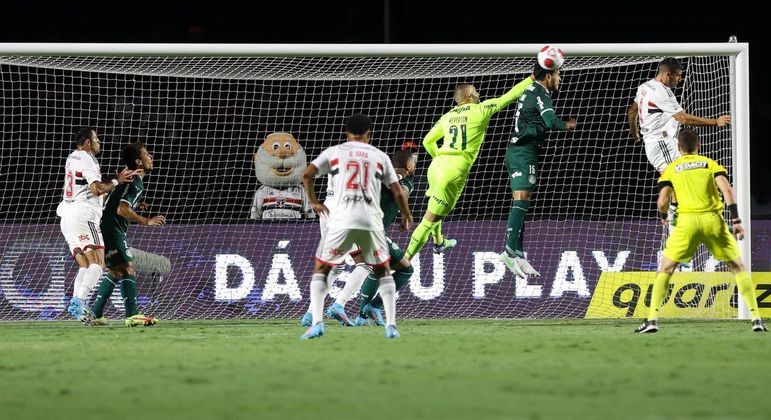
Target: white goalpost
205,111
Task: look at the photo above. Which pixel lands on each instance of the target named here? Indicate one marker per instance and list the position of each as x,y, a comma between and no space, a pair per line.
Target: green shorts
522,165
447,177
394,251
116,250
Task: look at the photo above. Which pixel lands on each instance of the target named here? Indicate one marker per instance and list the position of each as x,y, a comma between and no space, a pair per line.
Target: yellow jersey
693,179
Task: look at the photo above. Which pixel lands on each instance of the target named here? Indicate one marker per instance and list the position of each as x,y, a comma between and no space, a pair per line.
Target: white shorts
662,152
323,220
81,234
337,243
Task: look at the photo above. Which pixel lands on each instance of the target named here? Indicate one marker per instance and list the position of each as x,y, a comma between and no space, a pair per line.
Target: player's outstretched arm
308,174
730,200
694,121
401,200
632,114
125,211
122,177
491,106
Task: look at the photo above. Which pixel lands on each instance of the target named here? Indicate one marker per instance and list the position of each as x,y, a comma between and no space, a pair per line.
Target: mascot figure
278,163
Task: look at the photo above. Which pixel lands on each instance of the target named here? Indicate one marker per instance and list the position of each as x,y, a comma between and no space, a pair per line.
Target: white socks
78,281
90,279
318,293
387,292
355,280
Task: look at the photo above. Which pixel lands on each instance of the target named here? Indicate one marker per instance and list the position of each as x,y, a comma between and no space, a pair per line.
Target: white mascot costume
279,163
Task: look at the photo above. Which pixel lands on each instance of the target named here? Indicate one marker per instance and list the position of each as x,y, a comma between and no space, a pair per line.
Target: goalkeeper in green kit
463,130
535,115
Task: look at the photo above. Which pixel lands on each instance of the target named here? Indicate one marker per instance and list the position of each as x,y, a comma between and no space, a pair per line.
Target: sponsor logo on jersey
690,165
516,174
540,102
84,237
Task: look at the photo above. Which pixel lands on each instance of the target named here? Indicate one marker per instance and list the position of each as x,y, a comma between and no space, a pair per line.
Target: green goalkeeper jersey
463,128
388,203
535,115
112,223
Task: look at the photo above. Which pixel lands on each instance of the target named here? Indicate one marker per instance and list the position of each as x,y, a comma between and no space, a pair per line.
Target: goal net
228,250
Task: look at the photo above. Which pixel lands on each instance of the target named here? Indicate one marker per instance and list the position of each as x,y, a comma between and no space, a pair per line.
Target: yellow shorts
695,228
447,176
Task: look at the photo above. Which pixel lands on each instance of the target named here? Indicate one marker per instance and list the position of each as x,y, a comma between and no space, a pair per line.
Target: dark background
411,22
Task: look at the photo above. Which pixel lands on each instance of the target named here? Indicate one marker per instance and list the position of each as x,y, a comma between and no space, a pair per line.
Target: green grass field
467,369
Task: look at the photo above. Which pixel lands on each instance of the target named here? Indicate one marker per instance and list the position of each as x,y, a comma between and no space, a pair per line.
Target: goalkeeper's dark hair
540,72
401,158
688,140
130,153
669,65
358,124
83,134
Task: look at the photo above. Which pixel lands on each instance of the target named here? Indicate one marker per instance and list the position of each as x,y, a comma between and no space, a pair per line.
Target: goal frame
738,52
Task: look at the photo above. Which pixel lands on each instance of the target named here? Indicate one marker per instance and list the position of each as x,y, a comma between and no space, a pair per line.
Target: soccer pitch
458,369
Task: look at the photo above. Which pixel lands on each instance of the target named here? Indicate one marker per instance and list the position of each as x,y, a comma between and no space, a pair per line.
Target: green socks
516,228
128,290
103,294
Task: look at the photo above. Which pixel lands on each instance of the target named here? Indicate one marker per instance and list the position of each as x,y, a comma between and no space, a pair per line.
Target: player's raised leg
522,165
446,177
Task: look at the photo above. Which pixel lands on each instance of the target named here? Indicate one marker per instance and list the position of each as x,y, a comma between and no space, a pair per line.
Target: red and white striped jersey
80,170
656,106
358,173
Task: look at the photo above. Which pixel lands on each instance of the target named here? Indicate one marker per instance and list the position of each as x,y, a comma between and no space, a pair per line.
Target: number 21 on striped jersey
353,167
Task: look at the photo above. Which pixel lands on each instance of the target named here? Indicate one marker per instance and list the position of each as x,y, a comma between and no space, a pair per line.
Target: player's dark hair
540,72
669,65
401,158
688,140
130,153
83,134
358,124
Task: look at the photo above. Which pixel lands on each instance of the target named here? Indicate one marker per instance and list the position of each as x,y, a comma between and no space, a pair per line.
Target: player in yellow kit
463,130
696,180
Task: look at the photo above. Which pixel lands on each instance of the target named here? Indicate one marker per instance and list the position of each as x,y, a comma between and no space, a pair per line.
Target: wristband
663,215
736,221
114,182
734,210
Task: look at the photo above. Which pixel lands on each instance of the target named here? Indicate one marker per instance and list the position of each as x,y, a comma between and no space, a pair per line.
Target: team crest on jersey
280,201
531,178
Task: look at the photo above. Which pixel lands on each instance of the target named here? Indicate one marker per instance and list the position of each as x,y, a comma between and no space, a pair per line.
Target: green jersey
388,203
535,114
129,193
463,128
